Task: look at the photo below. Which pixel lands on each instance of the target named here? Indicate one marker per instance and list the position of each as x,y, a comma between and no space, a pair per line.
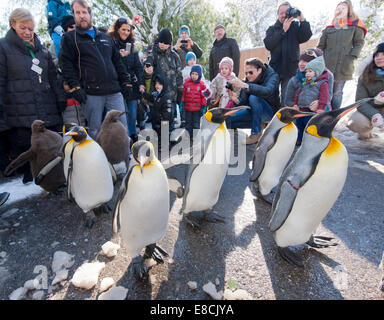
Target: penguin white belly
91,183
315,198
277,158
144,209
208,177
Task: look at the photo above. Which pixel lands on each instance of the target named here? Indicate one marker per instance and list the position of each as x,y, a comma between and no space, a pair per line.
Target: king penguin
88,174
274,150
309,186
45,144
208,168
142,207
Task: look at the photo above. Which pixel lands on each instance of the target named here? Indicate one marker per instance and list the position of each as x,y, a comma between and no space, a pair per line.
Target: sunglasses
248,73
147,65
310,53
124,20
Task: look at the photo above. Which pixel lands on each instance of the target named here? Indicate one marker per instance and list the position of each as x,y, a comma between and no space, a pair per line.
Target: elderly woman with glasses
297,80
29,87
341,42
122,33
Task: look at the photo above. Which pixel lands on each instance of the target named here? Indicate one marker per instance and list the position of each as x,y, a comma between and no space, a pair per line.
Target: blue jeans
131,108
301,123
192,119
95,106
260,111
337,98
56,41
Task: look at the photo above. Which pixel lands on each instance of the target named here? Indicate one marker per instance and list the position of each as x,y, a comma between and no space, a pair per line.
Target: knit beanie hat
310,54
196,68
186,29
379,48
317,65
218,27
188,56
67,21
226,61
165,36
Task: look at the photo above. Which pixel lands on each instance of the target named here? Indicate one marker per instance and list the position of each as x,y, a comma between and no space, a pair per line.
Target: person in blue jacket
56,10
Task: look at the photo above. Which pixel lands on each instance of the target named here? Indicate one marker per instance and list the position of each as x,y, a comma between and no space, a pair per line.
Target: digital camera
229,86
292,12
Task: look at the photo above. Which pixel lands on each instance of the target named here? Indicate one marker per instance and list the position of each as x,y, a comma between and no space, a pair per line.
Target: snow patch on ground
19,191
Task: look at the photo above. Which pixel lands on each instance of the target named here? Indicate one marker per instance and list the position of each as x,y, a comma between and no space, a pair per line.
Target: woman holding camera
341,43
283,41
123,34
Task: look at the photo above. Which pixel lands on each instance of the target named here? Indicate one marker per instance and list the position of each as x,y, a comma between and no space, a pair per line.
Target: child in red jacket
194,99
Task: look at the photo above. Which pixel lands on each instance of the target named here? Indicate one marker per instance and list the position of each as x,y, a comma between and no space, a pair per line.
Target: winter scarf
340,23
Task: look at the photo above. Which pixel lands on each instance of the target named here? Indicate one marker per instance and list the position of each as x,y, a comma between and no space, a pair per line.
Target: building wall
263,54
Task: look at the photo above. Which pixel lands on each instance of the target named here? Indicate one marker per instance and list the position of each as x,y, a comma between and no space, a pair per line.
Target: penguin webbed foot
193,221
321,242
59,191
90,220
212,216
291,257
140,270
155,252
103,209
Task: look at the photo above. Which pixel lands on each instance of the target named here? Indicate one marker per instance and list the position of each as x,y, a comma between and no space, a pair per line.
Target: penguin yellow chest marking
316,197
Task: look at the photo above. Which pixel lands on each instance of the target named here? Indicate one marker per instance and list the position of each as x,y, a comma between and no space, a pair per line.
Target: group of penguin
301,192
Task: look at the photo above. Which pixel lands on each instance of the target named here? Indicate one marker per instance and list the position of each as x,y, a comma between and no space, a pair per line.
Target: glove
206,93
127,92
378,121
59,30
379,99
80,95
203,110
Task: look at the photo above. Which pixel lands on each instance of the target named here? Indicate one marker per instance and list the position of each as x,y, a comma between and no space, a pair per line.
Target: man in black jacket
260,91
93,68
223,47
283,41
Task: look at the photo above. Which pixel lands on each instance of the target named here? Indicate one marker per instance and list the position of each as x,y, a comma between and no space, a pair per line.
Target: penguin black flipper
293,178
265,144
175,185
123,190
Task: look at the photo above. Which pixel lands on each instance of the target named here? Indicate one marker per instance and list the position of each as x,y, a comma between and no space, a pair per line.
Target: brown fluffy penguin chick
113,138
44,146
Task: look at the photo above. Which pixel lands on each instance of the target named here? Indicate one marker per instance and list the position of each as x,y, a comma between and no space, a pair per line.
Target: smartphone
128,47
184,41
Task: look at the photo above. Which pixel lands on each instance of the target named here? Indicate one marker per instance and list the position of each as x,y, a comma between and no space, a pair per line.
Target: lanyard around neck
30,47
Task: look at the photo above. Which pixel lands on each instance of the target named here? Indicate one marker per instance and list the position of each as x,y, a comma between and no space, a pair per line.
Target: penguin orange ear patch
278,115
208,116
312,130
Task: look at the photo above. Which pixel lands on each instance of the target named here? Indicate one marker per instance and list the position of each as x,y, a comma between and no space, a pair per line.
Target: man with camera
283,41
260,91
185,44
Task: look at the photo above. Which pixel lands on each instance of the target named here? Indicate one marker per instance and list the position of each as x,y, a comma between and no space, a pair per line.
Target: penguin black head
143,153
323,124
218,115
113,115
38,126
78,133
288,114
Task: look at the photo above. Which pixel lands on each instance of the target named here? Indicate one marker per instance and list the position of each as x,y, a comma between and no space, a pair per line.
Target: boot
253,138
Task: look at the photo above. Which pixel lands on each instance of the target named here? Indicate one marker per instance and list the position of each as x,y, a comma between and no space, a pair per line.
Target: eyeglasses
311,53
123,20
248,73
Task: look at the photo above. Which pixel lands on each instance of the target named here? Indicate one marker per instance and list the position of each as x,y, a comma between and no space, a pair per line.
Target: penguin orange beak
72,134
304,114
234,110
142,161
344,111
